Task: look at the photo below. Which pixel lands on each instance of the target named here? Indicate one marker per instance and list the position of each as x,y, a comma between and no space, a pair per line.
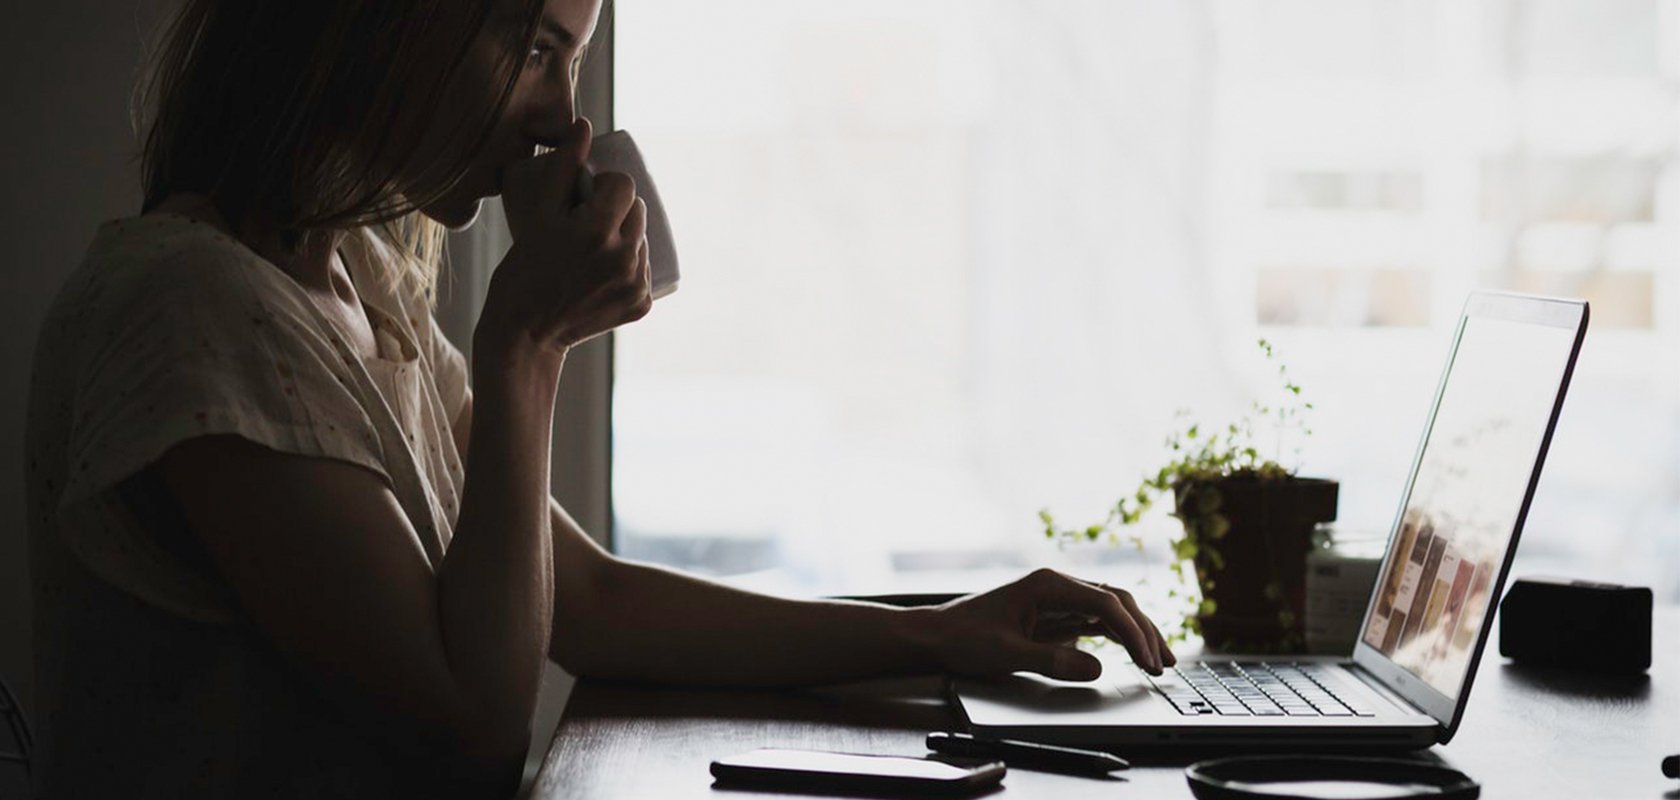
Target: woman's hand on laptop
1033,623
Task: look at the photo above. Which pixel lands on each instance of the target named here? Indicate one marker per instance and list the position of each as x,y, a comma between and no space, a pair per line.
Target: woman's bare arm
622,619
327,565
625,620
322,556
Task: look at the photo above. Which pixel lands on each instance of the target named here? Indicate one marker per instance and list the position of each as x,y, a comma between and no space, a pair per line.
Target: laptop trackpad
1119,687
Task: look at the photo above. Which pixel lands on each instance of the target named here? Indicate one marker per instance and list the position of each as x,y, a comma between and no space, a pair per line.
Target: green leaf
1221,526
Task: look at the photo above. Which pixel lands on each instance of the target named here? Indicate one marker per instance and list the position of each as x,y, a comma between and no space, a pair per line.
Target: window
950,262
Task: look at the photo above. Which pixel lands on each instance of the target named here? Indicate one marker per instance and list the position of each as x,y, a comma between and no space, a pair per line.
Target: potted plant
1247,523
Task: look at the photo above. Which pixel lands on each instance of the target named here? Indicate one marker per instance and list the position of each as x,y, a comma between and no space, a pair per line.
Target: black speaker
1578,624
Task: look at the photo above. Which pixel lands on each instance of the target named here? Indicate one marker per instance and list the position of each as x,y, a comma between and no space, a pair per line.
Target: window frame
581,478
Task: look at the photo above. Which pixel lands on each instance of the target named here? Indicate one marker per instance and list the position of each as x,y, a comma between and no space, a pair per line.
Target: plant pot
1252,565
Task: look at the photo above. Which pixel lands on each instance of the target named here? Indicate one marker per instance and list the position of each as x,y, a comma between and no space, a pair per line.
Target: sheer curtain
473,255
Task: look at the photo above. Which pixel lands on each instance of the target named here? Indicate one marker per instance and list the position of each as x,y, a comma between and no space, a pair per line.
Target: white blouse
151,681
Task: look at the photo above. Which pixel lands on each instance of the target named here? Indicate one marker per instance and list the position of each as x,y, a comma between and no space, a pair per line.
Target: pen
1027,755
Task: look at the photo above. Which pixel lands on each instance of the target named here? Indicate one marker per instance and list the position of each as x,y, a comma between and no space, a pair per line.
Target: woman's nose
547,121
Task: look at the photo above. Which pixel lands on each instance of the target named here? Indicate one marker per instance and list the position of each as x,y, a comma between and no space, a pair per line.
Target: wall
66,69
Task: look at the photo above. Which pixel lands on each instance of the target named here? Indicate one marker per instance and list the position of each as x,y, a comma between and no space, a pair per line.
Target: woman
282,545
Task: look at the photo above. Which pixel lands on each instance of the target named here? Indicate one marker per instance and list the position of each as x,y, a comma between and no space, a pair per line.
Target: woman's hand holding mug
576,269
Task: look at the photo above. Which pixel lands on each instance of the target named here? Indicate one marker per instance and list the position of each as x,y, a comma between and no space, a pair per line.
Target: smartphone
617,152
817,771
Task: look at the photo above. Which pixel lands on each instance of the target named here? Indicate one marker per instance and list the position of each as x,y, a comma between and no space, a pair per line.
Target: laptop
1406,684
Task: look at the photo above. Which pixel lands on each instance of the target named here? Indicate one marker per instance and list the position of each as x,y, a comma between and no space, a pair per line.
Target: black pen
1028,755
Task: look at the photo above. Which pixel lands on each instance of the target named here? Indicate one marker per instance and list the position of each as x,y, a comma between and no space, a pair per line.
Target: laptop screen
1469,490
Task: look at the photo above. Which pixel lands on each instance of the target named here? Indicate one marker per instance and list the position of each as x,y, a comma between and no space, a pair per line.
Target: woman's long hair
310,114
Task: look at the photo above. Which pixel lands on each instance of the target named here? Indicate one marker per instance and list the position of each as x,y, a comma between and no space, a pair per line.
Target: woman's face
542,106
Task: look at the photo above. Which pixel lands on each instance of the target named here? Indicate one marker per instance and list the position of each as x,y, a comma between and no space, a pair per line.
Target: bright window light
949,262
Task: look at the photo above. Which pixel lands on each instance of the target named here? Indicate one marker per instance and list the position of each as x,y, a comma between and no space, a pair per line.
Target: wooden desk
1528,733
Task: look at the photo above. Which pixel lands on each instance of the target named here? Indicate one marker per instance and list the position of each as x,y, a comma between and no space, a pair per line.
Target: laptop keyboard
1256,689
